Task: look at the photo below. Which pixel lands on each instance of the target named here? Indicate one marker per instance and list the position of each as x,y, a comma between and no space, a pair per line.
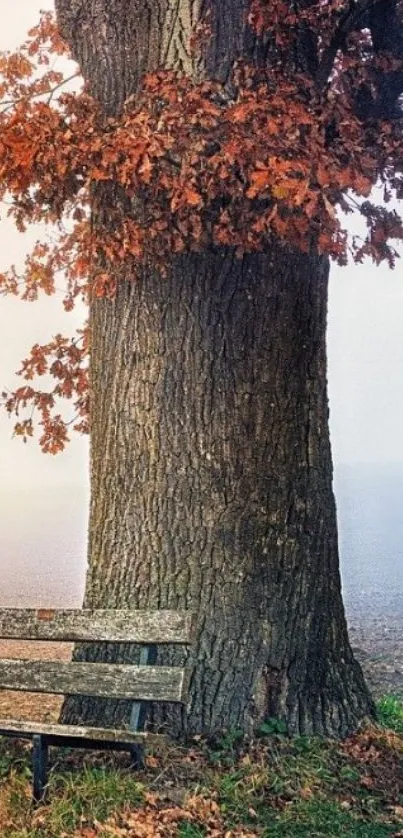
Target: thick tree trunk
210,459
212,483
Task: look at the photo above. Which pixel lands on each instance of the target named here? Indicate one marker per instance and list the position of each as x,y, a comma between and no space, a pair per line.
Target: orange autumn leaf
192,198
259,181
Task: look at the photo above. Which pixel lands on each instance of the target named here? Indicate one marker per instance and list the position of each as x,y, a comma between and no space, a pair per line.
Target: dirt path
378,645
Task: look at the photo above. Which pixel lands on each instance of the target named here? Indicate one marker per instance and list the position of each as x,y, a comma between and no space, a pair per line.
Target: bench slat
124,626
141,683
100,734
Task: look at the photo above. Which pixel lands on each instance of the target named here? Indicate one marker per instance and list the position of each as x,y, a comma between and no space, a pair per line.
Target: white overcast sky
365,348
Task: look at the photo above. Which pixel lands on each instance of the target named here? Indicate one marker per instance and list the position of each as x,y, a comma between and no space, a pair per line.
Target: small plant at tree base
225,747
272,726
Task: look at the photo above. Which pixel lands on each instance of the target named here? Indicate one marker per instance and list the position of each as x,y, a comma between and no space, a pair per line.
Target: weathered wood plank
29,729
120,626
141,683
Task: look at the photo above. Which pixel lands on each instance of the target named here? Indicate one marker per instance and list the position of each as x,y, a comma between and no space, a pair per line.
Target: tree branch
386,27
379,98
356,17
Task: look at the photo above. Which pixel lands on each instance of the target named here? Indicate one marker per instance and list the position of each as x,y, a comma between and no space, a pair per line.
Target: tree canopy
282,149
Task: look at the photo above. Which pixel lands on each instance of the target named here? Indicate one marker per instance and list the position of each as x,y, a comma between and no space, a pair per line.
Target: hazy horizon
44,539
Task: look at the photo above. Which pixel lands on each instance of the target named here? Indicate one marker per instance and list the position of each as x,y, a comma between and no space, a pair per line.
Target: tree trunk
212,483
211,475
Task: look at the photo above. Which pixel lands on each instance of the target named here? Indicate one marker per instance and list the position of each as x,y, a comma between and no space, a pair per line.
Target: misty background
44,499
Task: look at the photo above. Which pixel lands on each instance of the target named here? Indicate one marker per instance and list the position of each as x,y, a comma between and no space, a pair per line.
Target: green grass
274,788
189,830
93,794
76,796
323,818
305,787
390,713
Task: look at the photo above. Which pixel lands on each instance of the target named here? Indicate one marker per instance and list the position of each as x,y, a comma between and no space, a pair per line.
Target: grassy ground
274,787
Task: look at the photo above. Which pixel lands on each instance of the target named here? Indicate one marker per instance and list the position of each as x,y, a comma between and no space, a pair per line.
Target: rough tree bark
211,473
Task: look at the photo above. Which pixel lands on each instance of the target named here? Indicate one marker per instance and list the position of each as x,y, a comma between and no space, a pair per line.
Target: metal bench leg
40,765
137,761
148,656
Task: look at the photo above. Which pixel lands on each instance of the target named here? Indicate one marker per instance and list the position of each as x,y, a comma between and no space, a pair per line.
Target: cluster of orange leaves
189,168
64,359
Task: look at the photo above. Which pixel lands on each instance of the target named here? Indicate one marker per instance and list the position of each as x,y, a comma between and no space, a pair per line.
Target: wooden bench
139,683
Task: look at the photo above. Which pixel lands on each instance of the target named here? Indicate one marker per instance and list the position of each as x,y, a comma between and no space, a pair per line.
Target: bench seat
52,732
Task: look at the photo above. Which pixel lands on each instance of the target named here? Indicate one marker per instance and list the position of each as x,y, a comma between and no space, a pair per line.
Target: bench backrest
115,626
138,683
